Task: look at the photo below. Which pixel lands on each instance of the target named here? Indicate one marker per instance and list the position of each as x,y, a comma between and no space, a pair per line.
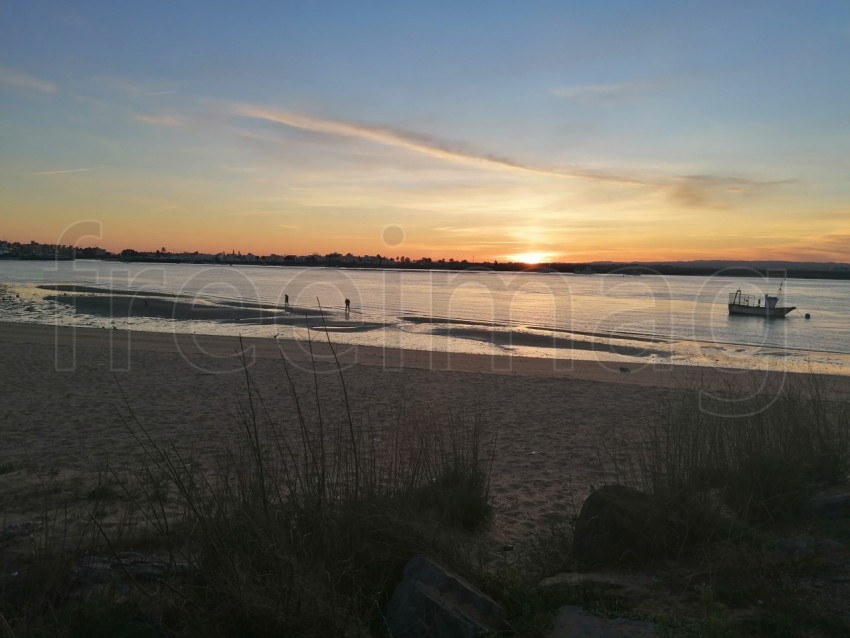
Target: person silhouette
347,306
286,301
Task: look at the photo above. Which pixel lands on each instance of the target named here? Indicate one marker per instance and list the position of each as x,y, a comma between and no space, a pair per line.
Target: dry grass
756,455
298,528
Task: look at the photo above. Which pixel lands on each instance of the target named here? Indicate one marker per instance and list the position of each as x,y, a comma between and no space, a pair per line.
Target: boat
757,306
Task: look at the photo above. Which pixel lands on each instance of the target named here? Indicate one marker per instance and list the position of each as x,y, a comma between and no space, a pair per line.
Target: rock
430,601
574,622
12,532
797,548
619,525
830,545
832,503
92,570
627,585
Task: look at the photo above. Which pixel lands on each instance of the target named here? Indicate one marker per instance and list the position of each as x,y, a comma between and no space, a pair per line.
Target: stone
626,585
574,622
832,503
621,525
797,548
92,570
431,601
12,532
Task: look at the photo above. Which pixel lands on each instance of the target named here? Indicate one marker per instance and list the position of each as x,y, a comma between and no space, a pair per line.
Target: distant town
811,270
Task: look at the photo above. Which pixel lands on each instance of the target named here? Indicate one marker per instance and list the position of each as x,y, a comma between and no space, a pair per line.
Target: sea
647,319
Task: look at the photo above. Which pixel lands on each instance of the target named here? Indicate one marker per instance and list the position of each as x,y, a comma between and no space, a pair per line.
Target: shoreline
219,347
147,311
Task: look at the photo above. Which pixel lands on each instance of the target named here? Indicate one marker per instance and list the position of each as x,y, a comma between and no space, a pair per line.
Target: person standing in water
347,306
286,301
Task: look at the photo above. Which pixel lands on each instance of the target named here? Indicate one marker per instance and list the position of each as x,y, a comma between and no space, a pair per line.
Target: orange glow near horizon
533,257
183,235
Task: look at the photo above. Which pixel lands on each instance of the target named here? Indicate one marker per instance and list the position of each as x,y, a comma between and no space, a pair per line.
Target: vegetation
303,534
303,528
755,454
740,468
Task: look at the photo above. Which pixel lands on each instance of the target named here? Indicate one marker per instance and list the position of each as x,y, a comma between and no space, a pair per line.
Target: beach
74,398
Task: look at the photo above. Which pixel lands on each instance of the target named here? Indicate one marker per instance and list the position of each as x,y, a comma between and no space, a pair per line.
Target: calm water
607,317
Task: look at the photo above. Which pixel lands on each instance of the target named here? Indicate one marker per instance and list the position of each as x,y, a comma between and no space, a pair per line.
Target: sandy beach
70,394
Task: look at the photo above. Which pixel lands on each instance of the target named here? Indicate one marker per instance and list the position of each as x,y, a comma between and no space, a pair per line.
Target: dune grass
299,528
739,467
755,454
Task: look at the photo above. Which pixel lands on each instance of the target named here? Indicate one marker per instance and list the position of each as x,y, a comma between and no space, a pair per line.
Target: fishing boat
757,306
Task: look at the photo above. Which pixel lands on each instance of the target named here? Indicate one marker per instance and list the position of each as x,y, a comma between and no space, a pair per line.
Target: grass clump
303,528
757,457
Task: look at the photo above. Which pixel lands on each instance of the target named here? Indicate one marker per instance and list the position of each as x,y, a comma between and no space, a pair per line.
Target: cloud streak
603,92
9,77
158,120
133,89
687,191
712,191
418,143
68,170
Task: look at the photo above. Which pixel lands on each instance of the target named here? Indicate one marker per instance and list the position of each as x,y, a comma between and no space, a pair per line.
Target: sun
531,258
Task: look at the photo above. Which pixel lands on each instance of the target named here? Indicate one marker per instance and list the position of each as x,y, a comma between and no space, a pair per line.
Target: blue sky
551,130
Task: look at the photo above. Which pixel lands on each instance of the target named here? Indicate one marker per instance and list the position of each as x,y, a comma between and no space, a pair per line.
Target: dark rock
621,525
830,545
625,585
11,532
91,570
430,601
797,548
574,622
832,503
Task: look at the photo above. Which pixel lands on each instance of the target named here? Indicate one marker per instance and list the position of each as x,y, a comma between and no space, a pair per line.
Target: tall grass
303,528
756,454
299,526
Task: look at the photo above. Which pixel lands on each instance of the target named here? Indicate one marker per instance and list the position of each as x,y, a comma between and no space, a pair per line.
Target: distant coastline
34,251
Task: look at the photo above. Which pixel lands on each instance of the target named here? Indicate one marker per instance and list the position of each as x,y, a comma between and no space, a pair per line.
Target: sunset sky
564,131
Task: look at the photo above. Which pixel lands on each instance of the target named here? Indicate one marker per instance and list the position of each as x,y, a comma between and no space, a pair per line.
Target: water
605,317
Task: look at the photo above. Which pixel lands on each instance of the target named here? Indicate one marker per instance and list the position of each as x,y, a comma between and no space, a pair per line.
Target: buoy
808,316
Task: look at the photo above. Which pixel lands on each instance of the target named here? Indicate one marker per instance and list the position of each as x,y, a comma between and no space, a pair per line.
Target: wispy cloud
687,191
255,213
134,89
9,77
714,191
238,169
68,170
162,119
419,143
603,92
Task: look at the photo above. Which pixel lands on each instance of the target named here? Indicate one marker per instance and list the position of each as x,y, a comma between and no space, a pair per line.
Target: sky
536,131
